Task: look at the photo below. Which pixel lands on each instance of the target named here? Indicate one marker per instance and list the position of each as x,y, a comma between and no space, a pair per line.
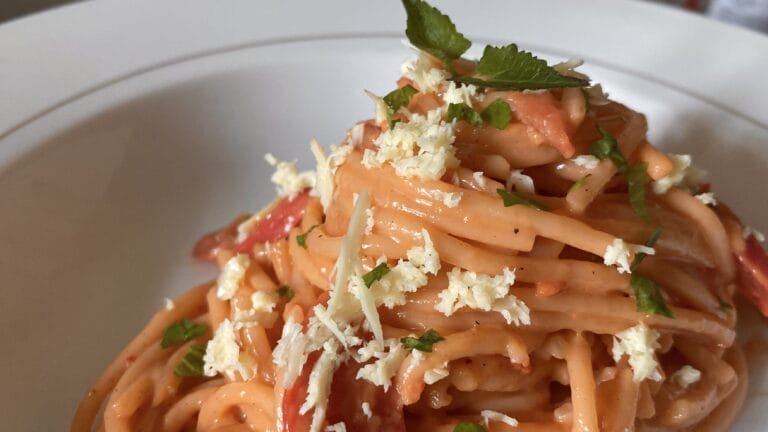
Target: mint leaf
608,147
285,292
579,183
424,343
648,298
430,30
465,112
636,178
497,114
301,239
192,363
182,331
375,274
511,198
397,99
508,67
468,427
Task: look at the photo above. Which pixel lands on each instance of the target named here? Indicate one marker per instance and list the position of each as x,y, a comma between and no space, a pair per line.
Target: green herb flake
182,331
464,112
397,99
608,147
511,198
285,292
652,239
579,183
192,363
430,30
497,114
468,427
637,176
375,274
301,239
508,67
724,307
423,343
648,296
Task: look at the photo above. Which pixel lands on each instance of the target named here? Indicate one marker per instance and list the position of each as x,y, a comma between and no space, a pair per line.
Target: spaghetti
446,270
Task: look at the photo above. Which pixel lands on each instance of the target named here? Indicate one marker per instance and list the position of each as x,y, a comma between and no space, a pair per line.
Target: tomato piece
542,112
208,247
277,223
349,393
294,397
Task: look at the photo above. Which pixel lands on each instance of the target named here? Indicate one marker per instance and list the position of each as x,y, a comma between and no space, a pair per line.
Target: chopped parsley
724,307
648,296
192,363
301,239
397,99
579,183
511,198
464,112
608,147
375,274
285,292
423,343
497,114
652,239
468,427
430,30
182,331
508,67
636,179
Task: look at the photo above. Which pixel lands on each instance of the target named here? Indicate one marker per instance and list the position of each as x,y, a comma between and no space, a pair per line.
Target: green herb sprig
424,343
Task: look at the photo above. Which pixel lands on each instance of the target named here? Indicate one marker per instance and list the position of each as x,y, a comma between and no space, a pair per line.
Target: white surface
108,176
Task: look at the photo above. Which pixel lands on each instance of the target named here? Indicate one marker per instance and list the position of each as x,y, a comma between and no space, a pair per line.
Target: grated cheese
708,198
596,96
290,352
422,147
338,427
686,376
403,278
519,182
380,106
479,179
425,77
462,93
366,408
319,387
568,68
222,354
232,276
684,174
639,344
369,220
490,415
289,181
356,134
484,292
449,199
617,253
381,371
588,162
434,375
169,304
425,257
749,231
326,169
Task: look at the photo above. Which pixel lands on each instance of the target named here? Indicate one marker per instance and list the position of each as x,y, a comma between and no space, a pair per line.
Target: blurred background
751,14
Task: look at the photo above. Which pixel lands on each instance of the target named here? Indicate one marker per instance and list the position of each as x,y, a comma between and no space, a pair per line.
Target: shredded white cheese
263,301
369,220
381,371
232,276
588,162
290,352
380,106
326,169
479,179
490,415
484,292
425,77
686,376
568,68
434,375
449,199
596,96
639,343
749,231
169,304
617,253
519,182
708,198
422,147
684,174
462,93
319,387
289,181
356,134
222,354
425,257
338,427
366,408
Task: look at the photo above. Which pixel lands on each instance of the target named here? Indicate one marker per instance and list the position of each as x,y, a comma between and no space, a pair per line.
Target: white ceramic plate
128,129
